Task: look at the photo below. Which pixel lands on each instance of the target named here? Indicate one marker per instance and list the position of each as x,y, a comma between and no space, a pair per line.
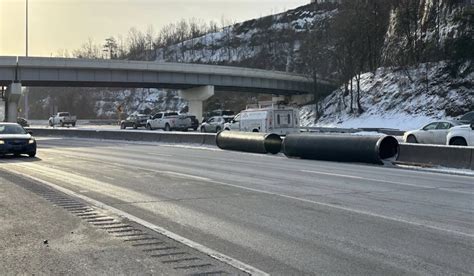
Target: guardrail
434,155
144,136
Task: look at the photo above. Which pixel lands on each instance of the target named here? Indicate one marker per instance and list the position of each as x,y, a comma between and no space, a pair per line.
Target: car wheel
16,154
255,130
195,128
148,126
61,124
218,129
32,154
458,142
135,126
122,126
227,129
411,139
73,124
51,124
203,129
167,127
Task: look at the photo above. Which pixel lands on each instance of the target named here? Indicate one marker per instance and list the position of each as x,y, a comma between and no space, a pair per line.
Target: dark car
134,121
14,139
467,118
194,121
22,122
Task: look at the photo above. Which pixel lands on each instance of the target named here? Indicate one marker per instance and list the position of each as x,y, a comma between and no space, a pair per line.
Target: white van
276,119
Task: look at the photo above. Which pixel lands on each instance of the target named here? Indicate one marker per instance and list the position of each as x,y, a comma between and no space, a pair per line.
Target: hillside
428,73
271,42
391,100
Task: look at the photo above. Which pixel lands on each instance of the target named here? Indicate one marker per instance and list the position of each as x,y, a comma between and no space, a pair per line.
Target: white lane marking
211,252
182,175
387,181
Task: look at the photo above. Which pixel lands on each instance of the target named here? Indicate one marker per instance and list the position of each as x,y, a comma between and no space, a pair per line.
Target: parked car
14,139
215,124
432,133
462,135
218,112
62,119
135,121
169,121
276,119
22,122
194,122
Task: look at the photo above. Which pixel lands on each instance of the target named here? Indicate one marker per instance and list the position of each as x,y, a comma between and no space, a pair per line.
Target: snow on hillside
400,99
248,39
137,101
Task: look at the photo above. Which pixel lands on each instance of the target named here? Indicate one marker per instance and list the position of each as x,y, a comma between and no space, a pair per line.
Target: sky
58,25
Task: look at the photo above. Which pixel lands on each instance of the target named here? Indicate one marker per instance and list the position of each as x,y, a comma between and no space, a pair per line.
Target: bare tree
88,50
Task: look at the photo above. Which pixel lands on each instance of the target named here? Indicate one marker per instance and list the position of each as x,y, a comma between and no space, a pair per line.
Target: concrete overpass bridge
195,82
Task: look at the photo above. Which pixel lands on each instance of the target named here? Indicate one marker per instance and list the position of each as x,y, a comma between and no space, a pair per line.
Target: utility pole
26,89
26,27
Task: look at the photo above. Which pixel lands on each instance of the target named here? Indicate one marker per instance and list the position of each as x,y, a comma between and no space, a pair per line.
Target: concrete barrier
434,155
472,159
165,137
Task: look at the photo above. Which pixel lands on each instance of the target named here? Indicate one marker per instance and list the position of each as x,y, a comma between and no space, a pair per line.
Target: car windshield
63,114
11,129
469,117
228,113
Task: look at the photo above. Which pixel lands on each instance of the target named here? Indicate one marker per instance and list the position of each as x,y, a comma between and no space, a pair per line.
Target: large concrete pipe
342,148
249,142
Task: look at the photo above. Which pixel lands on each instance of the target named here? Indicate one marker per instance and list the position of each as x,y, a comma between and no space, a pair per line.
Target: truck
461,135
272,118
62,119
169,121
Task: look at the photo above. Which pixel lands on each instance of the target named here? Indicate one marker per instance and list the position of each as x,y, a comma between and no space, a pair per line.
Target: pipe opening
273,143
388,148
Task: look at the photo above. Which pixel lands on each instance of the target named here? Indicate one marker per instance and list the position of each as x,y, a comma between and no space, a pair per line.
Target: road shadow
18,159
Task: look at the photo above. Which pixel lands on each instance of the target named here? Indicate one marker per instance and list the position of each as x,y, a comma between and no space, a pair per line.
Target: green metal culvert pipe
341,148
249,141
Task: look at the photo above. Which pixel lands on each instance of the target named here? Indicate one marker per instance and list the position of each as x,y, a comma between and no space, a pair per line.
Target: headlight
31,141
2,142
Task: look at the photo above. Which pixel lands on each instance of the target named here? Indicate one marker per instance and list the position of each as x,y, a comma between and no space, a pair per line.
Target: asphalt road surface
282,216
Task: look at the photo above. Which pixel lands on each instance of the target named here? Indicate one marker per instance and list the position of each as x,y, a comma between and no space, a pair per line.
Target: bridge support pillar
12,100
195,97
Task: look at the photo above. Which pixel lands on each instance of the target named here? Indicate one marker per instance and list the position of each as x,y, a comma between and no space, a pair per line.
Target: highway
282,216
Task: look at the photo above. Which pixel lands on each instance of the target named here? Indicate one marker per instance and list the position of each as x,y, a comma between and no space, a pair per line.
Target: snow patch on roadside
462,172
